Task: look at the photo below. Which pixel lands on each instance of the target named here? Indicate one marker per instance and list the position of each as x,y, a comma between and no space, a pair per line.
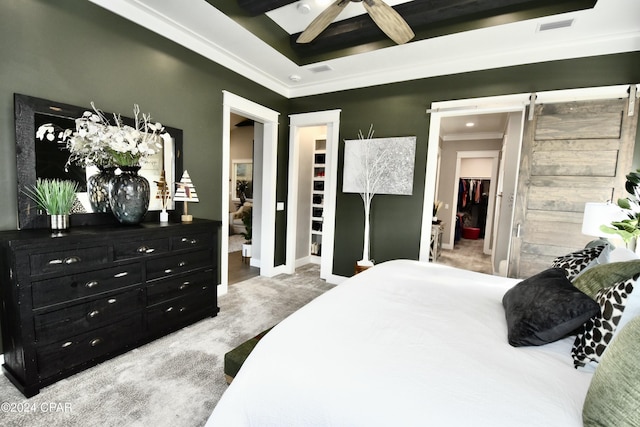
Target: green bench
234,359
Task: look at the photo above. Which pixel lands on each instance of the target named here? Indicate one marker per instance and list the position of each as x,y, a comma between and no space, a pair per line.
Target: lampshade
597,214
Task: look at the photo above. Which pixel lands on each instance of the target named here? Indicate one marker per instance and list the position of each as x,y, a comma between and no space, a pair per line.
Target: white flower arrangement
98,142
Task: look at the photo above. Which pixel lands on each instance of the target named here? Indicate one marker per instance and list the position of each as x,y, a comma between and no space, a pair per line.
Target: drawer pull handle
111,300
182,263
93,314
182,309
185,285
70,260
94,342
67,344
168,310
190,241
205,287
124,273
145,250
168,270
91,284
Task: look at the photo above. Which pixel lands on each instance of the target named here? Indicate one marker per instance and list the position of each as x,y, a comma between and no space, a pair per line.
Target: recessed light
295,78
303,8
470,124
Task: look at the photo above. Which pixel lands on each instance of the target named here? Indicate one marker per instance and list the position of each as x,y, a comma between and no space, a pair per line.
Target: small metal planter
59,222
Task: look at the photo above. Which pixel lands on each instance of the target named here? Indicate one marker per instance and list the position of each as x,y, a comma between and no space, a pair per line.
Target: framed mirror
48,159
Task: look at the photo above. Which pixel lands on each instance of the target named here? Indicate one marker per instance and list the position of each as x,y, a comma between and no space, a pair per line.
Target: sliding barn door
572,153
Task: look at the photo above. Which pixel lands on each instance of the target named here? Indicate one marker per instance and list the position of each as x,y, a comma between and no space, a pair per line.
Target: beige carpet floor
467,254
174,381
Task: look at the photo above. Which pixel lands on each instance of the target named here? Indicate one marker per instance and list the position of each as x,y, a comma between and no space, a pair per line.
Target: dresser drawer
176,264
191,241
70,321
61,261
175,287
62,289
141,247
174,314
64,355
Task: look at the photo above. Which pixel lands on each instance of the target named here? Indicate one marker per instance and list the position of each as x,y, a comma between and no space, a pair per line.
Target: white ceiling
612,26
473,127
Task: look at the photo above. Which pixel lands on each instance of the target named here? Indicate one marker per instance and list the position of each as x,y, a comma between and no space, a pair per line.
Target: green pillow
605,275
613,398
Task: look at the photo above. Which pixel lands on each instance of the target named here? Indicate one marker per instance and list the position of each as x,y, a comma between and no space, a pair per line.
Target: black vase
98,189
129,195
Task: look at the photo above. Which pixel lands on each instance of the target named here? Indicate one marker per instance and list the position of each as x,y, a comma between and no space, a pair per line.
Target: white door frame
439,110
492,104
479,154
235,104
330,119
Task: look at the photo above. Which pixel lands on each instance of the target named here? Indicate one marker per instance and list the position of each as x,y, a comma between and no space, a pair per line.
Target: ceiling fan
385,17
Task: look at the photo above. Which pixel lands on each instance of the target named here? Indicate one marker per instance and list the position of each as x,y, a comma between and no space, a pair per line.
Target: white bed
404,344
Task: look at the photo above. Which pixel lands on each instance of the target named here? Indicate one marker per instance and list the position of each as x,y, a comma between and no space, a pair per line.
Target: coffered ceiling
256,38
353,28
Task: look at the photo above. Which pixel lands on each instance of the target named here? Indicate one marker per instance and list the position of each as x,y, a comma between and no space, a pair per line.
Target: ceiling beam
258,7
432,18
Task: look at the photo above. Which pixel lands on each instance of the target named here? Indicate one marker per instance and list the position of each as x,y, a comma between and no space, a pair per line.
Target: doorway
516,105
470,185
322,129
500,112
243,208
266,144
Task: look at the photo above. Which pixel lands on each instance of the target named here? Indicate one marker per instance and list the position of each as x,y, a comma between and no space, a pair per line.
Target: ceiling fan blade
389,21
322,21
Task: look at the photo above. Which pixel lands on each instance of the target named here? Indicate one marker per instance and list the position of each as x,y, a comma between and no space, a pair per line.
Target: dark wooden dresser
72,301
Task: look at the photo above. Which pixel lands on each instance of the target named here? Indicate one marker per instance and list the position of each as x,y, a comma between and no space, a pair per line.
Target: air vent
555,25
320,68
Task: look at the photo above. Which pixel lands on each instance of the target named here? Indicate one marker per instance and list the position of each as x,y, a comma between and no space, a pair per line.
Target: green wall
76,52
400,110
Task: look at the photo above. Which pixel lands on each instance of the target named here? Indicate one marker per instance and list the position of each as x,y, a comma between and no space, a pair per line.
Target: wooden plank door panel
572,153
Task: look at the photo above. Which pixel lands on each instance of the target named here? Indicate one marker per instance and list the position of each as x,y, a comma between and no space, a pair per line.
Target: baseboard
278,269
303,261
334,279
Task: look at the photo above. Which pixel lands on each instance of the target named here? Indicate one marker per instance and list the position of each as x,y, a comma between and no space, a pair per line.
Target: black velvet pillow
545,308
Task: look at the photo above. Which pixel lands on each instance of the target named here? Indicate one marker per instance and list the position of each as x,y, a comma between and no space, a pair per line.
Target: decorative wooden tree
377,166
186,192
163,194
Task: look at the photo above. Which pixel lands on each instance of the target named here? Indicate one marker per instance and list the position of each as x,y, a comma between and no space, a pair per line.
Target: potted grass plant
55,197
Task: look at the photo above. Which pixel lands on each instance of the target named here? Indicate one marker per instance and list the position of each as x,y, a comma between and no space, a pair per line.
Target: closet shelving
317,196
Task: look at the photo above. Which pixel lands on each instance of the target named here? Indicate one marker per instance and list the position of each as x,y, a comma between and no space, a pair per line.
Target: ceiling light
303,8
470,124
295,78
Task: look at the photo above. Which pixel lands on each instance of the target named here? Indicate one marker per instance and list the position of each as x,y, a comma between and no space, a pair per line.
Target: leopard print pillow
575,262
591,343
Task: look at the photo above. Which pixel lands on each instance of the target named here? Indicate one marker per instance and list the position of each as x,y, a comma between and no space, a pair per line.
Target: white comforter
404,344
